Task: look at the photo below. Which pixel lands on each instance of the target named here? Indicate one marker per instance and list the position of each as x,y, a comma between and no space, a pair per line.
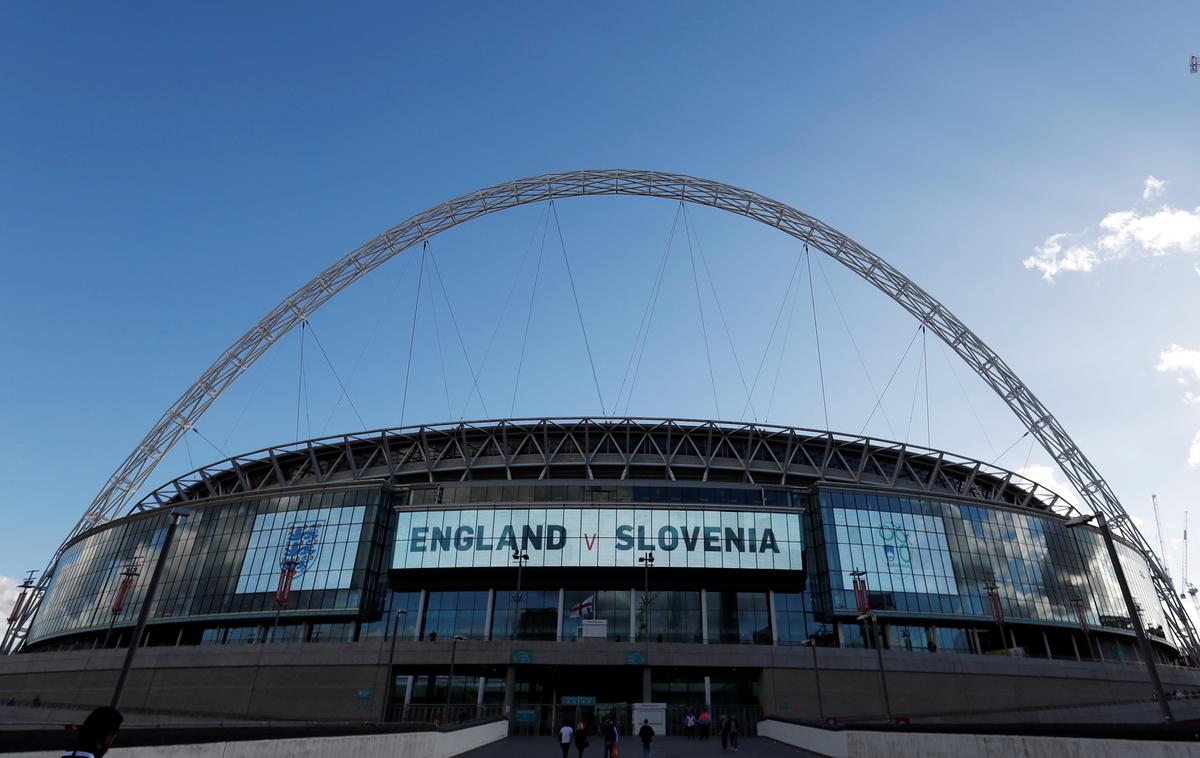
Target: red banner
123,590
16,611
861,596
284,589
997,609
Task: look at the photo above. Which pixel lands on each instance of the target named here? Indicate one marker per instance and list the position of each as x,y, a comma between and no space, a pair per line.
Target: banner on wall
583,537
901,552
305,544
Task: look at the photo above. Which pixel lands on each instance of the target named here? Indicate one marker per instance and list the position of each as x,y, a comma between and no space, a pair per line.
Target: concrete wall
346,681
409,745
842,744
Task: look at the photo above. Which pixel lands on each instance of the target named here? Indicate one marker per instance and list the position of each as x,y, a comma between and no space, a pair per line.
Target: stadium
538,568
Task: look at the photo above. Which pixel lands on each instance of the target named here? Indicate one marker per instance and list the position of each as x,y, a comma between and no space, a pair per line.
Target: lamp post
450,681
1127,596
862,597
812,642
521,557
390,695
993,593
177,516
123,589
647,560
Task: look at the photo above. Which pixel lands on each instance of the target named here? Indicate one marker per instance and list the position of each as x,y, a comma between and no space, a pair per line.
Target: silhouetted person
96,735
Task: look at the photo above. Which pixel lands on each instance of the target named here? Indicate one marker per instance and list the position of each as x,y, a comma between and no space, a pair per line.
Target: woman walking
581,735
732,728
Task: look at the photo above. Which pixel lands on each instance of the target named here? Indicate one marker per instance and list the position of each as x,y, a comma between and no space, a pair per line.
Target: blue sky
167,174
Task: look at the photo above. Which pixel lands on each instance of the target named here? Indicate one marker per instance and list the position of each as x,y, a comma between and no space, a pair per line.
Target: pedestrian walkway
664,747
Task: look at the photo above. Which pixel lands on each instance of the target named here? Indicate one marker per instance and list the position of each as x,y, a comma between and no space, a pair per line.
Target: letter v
590,539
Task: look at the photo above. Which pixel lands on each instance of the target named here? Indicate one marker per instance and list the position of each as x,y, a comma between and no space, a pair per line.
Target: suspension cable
771,338
854,343
345,393
967,397
720,310
928,410
787,332
188,448
512,288
578,309
1010,447
916,387
812,299
210,443
300,378
383,311
712,380
647,310
890,380
458,332
270,361
412,335
537,271
437,335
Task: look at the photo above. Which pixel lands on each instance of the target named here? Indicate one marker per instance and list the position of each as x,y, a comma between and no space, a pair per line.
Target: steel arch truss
183,414
627,448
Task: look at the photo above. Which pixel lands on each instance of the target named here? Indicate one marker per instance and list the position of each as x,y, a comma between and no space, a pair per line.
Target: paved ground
665,747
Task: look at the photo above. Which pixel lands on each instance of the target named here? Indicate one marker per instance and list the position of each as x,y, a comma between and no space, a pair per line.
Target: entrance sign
601,537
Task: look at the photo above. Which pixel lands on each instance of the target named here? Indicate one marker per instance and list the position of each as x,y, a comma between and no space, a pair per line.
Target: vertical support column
771,616
561,599
408,688
1075,647
633,615
510,690
708,692
420,619
491,612
1046,642
647,687
479,697
704,616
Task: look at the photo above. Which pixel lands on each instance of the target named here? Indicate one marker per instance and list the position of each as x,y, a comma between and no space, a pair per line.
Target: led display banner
901,552
318,544
601,537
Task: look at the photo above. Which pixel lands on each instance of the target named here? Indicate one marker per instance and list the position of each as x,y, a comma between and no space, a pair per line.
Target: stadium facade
526,547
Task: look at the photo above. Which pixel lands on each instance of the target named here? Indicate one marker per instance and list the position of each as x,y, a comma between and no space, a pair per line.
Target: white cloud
8,594
1153,188
1121,234
1193,460
1177,358
1191,398
1047,476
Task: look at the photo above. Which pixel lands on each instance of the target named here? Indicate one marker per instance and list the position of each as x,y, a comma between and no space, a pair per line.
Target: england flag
584,608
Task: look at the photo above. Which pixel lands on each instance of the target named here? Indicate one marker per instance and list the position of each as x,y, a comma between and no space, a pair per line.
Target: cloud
1121,234
1153,188
1177,358
1047,476
8,594
1193,459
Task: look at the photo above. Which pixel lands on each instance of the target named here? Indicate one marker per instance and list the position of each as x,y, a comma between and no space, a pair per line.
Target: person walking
733,732
581,735
565,736
608,730
723,728
705,724
646,733
689,725
97,733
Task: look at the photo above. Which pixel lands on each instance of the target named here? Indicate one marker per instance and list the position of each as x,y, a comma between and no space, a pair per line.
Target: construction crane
1184,584
1162,547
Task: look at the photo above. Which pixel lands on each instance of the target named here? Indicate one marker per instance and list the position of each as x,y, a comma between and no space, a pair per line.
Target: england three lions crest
302,543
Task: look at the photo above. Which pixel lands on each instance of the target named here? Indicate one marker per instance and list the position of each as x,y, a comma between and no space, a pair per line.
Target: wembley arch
183,414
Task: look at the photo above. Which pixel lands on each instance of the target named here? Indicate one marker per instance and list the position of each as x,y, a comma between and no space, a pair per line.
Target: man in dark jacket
96,735
646,733
608,730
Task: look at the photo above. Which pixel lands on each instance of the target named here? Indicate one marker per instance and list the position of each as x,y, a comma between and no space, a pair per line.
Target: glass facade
934,559
927,564
226,561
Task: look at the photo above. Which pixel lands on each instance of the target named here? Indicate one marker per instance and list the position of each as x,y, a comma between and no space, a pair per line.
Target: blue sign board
522,656
526,716
635,659
579,700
